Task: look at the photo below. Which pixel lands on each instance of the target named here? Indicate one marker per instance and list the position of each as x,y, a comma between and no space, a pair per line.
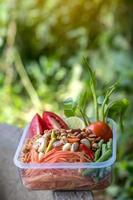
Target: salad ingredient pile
76,138
64,145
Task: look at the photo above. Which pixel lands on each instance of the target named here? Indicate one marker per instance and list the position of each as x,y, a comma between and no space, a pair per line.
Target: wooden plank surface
72,195
11,187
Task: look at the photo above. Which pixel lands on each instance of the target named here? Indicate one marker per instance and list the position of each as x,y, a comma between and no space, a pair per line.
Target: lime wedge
75,122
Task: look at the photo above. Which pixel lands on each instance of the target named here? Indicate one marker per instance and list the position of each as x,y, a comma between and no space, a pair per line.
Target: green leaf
68,113
113,190
92,82
117,109
100,100
82,102
109,92
69,107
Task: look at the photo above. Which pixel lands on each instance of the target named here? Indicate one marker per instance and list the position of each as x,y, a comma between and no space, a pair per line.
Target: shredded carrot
34,155
58,179
66,156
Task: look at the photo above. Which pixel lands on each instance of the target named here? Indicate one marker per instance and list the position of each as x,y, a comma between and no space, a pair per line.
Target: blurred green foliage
41,48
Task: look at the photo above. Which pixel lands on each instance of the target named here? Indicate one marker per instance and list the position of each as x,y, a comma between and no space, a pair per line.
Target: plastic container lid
91,165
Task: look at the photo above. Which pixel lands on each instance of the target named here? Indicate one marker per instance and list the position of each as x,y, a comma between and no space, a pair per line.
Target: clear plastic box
66,176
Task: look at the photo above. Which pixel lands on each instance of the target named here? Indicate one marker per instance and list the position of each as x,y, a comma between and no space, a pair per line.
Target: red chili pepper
37,126
88,151
53,121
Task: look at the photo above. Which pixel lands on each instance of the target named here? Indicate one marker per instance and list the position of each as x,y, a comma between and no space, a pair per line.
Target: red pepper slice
53,121
88,151
37,126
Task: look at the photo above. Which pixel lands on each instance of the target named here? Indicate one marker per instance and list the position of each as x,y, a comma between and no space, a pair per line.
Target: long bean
97,154
100,143
49,147
106,156
104,148
98,151
87,172
109,144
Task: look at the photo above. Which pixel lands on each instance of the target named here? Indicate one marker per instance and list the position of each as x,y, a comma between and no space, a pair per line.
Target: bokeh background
42,43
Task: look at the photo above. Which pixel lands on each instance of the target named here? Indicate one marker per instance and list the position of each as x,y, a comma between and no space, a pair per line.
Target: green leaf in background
113,190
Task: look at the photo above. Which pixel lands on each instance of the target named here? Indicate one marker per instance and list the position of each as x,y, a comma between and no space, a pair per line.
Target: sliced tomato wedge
37,126
53,121
101,129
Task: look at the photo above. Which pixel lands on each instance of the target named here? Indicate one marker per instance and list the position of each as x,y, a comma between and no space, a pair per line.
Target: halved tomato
53,121
36,126
101,129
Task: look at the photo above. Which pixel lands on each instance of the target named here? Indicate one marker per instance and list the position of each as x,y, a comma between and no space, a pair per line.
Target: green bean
50,144
109,144
98,151
53,135
104,148
97,154
100,143
87,172
105,156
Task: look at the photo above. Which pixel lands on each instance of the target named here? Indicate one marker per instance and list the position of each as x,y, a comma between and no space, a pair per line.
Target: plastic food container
65,176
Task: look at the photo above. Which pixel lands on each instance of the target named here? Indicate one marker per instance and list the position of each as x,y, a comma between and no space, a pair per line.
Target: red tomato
53,121
101,129
36,126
